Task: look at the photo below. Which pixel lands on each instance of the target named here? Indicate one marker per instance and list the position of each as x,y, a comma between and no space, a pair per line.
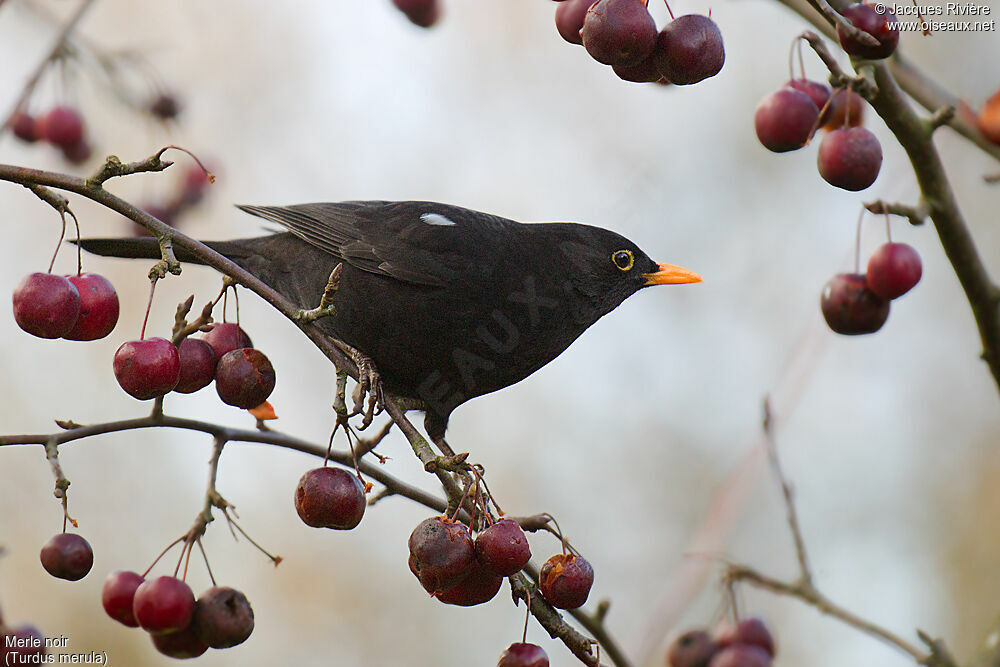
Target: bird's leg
369,384
325,307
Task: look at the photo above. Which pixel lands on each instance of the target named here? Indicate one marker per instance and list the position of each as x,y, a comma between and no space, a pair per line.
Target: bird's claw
369,387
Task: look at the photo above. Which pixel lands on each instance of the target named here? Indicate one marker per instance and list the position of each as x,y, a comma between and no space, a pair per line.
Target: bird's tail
134,248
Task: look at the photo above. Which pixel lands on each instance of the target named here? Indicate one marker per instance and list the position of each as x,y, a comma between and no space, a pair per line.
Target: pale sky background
625,438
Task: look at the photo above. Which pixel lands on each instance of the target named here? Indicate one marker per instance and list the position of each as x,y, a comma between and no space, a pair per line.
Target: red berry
503,547
198,363
846,108
45,305
692,649
850,158
850,307
77,153
523,655
893,270
565,581
147,368
819,93
879,24
165,106
182,644
164,604
423,13
570,16
62,126
751,631
226,337
223,617
441,553
24,127
741,655
244,378
98,307
619,32
480,585
330,498
689,49
118,595
784,120
643,72
67,556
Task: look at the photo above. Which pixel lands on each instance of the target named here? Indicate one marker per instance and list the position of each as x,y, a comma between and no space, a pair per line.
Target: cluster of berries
62,126
745,644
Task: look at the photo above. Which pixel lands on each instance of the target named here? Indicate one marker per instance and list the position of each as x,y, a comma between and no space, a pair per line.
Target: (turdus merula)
449,303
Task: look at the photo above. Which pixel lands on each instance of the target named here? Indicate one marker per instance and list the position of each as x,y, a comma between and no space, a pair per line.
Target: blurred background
628,438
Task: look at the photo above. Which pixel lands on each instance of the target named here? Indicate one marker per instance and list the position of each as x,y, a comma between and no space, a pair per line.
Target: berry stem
669,11
888,231
205,558
162,554
79,248
857,242
62,234
149,303
527,615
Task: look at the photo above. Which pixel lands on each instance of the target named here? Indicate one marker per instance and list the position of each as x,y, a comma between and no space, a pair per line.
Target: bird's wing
424,243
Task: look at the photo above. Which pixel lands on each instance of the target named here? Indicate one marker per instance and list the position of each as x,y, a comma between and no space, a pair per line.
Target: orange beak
668,274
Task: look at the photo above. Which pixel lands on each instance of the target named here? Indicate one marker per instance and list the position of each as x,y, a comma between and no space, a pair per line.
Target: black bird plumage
449,303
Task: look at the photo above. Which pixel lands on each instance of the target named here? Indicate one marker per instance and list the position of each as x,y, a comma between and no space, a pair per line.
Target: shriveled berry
523,655
164,604
850,307
692,649
819,93
750,631
118,594
480,585
846,108
67,556
689,49
147,368
223,617
24,127
423,13
244,378
785,119
565,580
45,305
893,270
441,553
741,655
877,21
850,158
226,337
182,644
198,363
62,126
98,307
330,498
570,16
503,547
618,32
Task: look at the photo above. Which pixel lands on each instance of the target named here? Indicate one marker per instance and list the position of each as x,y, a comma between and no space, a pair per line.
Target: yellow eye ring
623,259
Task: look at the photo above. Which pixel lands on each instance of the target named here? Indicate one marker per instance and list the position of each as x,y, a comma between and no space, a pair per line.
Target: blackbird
448,303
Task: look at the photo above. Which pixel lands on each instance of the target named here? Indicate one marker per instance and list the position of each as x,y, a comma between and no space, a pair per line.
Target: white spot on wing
436,219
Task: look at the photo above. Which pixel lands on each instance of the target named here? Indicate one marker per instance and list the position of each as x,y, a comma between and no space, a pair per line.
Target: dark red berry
118,595
182,644
741,655
62,126
565,581
893,270
441,553
330,498
850,158
98,307
423,13
147,368
77,153
689,49
619,32
193,187
67,556
850,307
750,631
846,108
244,378
480,585
223,617
692,649
784,120
503,547
523,655
45,305
198,363
570,16
165,106
879,24
226,337
643,72
24,127
819,93
164,604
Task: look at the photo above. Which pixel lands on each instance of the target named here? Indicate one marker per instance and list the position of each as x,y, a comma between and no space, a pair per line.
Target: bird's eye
623,259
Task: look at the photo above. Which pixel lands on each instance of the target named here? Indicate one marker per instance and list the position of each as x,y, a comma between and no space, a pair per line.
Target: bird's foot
369,387
325,307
